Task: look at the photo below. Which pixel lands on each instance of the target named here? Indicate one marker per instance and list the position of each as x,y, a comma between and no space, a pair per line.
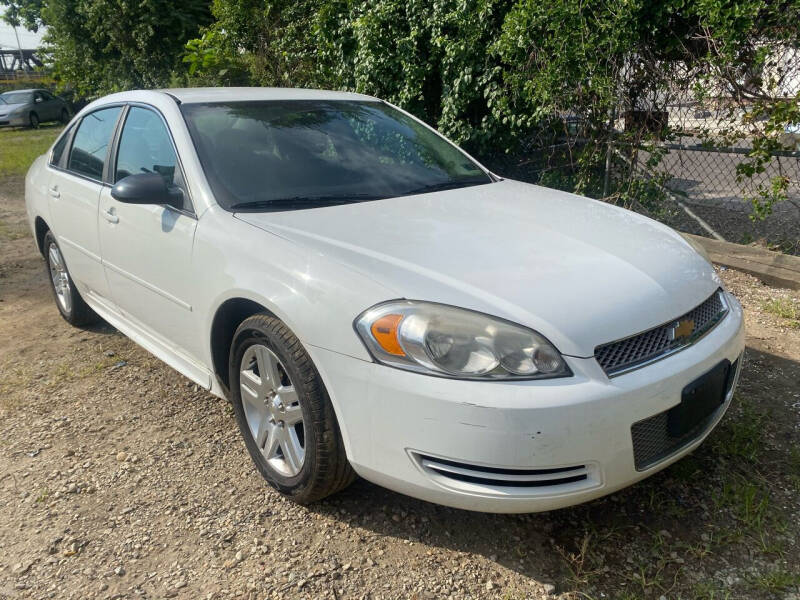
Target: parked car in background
374,301
791,136
28,108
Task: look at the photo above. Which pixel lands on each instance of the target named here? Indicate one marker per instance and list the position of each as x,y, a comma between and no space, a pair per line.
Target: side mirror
38,99
147,188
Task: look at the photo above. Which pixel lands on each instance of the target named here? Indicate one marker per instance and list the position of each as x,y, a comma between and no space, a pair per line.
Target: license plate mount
699,400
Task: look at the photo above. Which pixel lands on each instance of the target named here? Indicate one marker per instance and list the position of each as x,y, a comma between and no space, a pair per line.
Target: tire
64,116
267,412
33,119
68,300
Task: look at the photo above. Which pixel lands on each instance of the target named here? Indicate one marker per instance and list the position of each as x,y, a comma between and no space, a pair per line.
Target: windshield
17,97
281,155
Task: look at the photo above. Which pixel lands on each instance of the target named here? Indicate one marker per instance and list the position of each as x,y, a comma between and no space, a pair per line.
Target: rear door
43,107
147,248
74,187
53,106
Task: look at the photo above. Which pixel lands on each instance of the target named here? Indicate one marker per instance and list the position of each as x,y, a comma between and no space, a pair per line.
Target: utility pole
19,47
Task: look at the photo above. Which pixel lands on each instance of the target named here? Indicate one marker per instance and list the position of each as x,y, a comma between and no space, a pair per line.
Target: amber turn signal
384,330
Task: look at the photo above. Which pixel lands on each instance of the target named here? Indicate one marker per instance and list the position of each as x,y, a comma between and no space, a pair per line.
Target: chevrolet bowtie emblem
682,330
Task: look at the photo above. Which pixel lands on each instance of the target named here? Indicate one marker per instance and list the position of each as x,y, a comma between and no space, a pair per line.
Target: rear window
90,145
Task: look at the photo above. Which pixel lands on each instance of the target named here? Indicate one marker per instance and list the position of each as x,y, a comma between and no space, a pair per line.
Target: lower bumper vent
651,437
496,476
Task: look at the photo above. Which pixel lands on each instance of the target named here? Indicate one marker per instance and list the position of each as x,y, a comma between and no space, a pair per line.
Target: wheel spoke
268,368
264,430
252,384
293,414
293,453
288,395
55,257
272,443
65,295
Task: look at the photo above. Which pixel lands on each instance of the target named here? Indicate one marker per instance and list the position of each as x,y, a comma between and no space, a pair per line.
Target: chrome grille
623,355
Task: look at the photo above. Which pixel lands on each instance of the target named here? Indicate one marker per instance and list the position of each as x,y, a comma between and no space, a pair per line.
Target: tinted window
145,146
278,155
58,149
90,146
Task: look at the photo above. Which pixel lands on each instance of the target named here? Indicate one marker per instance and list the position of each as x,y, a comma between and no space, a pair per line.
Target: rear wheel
284,412
69,302
34,120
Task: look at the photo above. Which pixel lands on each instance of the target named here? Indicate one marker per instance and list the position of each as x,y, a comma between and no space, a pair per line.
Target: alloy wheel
60,277
272,410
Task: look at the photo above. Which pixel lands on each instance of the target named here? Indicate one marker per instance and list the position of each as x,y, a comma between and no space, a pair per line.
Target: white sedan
375,302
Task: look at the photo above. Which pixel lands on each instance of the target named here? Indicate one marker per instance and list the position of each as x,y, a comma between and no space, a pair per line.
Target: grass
699,514
740,437
20,147
784,308
777,581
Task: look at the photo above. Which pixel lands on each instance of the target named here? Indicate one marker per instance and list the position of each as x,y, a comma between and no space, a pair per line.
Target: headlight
454,342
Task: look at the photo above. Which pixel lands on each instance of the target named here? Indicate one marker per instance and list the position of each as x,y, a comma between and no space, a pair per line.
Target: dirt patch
119,478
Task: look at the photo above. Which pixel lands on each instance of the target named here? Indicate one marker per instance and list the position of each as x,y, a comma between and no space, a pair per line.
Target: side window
90,144
145,147
58,149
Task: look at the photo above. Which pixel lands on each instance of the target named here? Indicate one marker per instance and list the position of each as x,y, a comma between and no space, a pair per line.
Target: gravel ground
121,479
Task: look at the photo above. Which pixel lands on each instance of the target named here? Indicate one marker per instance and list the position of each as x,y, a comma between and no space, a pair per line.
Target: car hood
7,108
579,271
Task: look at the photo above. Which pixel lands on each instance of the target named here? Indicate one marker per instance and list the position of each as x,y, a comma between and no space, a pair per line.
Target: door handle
54,192
109,216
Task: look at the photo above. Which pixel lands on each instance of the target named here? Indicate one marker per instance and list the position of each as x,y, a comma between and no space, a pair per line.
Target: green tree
26,13
262,42
102,46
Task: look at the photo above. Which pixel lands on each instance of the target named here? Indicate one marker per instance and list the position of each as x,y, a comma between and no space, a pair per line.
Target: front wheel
64,117
284,412
34,120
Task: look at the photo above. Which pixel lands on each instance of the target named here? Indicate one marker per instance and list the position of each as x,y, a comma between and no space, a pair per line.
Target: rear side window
58,150
90,145
145,146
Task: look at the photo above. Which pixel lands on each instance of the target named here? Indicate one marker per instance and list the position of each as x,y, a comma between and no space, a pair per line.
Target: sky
28,39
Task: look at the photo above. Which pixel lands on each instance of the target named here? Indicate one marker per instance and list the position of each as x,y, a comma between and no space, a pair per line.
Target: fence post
607,177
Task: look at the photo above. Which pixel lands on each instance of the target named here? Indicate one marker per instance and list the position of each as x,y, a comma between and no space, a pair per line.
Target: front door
147,248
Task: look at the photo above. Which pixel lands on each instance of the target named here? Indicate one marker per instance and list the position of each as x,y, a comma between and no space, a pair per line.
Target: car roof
236,94
30,90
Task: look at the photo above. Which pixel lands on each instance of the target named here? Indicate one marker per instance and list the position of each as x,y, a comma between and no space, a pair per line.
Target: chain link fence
676,158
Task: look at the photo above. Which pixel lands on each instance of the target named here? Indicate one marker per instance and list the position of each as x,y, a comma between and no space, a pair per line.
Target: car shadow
689,514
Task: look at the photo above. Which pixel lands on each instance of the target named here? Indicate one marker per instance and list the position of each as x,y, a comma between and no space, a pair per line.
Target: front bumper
411,433
15,120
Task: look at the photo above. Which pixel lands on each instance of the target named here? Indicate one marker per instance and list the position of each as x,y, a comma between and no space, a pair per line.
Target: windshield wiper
302,202
446,185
